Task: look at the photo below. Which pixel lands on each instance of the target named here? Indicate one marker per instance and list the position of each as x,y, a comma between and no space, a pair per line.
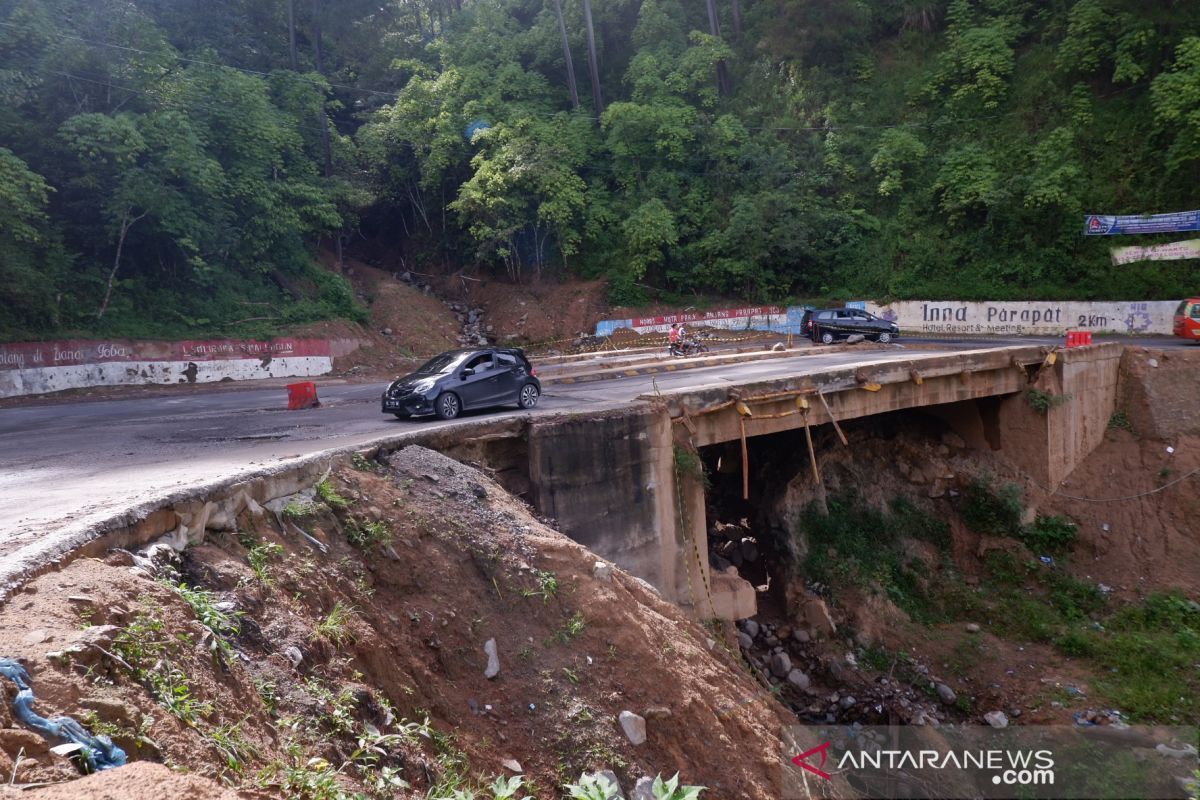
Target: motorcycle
687,346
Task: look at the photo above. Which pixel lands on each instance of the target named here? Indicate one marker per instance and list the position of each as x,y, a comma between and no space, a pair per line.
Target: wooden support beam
833,419
745,461
812,451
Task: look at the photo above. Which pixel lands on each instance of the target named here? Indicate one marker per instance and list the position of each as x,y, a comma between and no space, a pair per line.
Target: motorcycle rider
673,339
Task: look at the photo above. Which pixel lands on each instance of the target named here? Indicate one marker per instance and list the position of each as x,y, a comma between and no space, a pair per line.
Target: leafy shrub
994,512
1044,401
1049,535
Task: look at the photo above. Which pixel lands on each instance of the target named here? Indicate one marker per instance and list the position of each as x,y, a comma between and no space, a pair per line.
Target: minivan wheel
884,338
447,405
529,396
826,338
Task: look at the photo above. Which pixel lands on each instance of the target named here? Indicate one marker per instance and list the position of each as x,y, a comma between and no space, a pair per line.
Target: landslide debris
342,643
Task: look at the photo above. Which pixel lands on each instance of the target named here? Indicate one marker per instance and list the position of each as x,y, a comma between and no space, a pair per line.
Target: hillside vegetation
168,167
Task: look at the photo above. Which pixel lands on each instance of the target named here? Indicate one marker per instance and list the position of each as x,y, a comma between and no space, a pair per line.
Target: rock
478,491
512,765
778,347
749,550
14,740
493,665
1153,362
1014,712
801,636
633,726
798,679
996,719
602,571
293,654
946,694
937,488
35,637
657,712
781,664
643,789
1186,751
972,627
387,331
116,712
855,338
847,702
744,640
817,615
615,790
751,628
952,439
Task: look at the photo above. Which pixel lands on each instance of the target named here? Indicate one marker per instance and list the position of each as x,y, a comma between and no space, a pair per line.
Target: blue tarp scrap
99,752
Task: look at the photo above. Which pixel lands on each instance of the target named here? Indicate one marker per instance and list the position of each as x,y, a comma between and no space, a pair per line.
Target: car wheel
827,338
884,338
448,405
528,398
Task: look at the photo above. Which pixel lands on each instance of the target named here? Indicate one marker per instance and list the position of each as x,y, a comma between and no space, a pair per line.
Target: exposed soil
445,560
1126,549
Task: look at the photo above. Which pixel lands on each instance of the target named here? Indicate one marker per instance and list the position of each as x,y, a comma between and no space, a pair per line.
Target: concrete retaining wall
1032,318
40,367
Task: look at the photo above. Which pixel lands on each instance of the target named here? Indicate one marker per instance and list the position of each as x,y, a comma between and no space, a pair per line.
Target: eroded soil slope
339,646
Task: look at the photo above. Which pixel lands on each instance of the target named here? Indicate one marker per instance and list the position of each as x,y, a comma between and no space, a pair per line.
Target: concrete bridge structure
622,479
624,484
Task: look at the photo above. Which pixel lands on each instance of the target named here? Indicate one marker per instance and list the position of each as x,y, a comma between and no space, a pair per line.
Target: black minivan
457,380
829,324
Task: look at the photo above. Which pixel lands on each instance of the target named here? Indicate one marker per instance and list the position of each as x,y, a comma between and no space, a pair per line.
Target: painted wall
39,367
1029,318
749,318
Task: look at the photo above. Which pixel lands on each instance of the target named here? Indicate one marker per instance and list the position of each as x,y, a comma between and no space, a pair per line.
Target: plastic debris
1047,560
95,753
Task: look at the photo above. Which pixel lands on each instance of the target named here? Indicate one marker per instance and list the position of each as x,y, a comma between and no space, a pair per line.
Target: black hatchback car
830,324
456,380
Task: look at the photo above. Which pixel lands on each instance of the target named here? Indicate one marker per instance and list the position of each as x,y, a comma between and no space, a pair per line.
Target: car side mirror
468,372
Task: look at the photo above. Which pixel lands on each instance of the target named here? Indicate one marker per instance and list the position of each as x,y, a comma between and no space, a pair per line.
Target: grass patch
571,628
1053,535
260,557
149,650
1149,652
996,512
1042,402
329,495
367,535
336,625
857,545
1119,421
299,509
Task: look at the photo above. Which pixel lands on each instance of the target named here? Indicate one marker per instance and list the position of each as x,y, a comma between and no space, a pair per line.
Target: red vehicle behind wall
1187,319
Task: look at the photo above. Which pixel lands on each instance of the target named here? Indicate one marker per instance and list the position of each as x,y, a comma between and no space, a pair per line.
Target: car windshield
439,364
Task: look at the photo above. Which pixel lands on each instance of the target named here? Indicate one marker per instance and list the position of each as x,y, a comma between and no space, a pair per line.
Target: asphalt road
70,465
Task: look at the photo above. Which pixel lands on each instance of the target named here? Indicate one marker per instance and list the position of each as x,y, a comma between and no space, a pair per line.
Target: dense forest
170,167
